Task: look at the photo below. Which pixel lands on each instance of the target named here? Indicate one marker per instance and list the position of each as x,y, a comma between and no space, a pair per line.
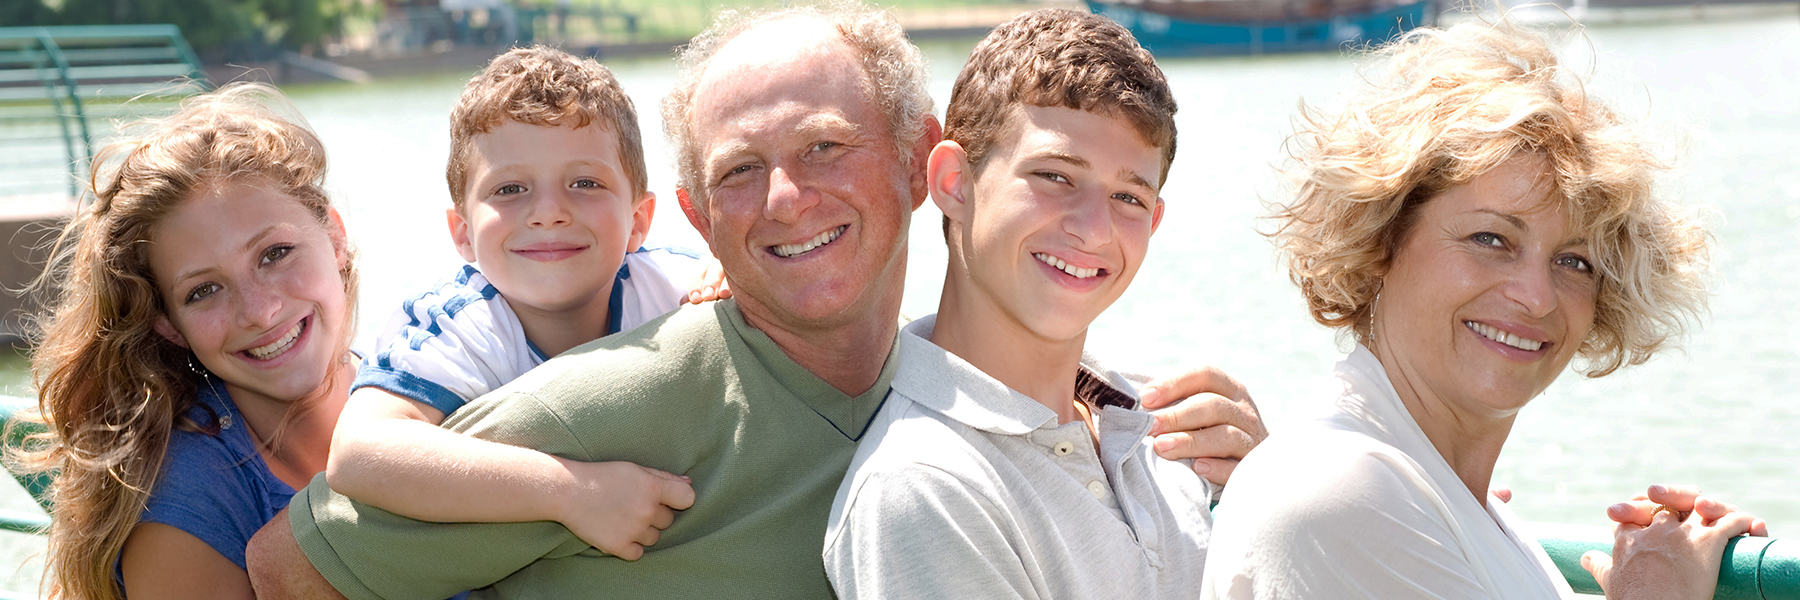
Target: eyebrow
825,123
1131,177
1513,219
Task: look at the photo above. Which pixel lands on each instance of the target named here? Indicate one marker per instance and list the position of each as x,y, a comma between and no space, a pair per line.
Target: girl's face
252,284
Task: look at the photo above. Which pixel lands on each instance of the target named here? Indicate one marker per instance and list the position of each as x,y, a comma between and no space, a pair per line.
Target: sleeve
203,492
658,278
366,552
1339,523
917,532
444,350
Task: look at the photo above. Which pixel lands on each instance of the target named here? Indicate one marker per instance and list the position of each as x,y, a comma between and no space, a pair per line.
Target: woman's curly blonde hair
1449,105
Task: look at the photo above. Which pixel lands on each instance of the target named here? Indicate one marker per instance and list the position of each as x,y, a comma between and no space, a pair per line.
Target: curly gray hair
895,68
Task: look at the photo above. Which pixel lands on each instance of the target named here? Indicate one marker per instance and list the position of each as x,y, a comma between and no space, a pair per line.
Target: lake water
1718,98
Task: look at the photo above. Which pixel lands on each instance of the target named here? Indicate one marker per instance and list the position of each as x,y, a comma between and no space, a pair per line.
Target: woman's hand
1206,415
1667,544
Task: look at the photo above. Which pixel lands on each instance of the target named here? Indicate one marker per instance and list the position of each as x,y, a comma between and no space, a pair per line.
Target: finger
1678,497
1169,390
1711,509
1212,442
1760,528
1598,564
662,518
628,552
647,538
1202,411
674,491
1733,525
1216,470
1501,491
724,291
1636,512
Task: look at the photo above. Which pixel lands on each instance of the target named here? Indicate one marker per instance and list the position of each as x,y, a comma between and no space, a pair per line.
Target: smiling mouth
1076,272
274,349
1494,333
793,250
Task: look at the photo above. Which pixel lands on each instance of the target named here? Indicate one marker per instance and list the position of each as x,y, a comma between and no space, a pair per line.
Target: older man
803,138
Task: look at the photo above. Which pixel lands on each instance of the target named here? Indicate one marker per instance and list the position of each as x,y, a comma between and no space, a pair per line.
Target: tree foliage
207,24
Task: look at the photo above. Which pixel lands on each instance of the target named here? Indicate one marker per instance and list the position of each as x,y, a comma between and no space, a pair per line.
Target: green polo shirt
698,392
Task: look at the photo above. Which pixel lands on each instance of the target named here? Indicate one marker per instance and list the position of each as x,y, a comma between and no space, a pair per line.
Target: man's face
802,194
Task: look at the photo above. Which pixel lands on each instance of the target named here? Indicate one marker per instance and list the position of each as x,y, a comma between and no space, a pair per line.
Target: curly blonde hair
895,70
1448,106
549,88
110,388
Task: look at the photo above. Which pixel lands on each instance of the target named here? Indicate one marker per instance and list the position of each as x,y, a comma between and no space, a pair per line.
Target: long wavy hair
110,388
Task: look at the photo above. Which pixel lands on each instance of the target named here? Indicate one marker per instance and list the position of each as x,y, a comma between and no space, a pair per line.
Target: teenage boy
547,180
1007,463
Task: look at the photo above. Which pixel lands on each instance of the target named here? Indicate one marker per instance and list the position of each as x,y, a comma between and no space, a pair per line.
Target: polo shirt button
1099,489
1063,448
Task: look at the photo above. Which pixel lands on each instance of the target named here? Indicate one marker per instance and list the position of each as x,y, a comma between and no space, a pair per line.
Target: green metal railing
1753,568
54,80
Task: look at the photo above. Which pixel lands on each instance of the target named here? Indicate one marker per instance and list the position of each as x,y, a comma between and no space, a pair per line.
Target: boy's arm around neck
389,452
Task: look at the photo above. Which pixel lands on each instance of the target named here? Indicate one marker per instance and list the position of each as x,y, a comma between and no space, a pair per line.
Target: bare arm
389,452
279,570
154,551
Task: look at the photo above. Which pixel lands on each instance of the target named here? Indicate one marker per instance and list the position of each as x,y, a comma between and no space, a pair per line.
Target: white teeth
1077,272
278,346
792,250
1494,333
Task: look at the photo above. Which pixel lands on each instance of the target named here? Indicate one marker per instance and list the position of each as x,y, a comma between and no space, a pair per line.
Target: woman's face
251,281
1488,297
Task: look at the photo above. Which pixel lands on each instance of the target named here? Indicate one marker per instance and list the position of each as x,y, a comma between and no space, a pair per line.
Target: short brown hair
545,87
1056,57
1448,106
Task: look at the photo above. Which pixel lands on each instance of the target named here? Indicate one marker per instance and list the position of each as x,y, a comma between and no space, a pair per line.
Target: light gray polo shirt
964,488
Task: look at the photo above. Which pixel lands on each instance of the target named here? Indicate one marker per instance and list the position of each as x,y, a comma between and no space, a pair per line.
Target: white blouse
1359,504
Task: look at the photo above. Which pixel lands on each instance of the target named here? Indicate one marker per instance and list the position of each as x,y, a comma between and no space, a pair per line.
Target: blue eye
1576,262
1488,238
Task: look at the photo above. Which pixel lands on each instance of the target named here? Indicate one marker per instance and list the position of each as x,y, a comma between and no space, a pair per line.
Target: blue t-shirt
216,487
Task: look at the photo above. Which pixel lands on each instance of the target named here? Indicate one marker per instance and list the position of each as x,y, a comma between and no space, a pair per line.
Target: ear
459,233
1156,214
640,220
166,329
695,216
921,155
340,240
949,174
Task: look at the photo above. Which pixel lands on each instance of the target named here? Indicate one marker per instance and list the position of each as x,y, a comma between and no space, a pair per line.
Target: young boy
547,178
1006,463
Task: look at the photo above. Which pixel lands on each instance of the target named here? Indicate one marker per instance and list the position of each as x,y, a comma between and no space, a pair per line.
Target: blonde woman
197,358
1474,222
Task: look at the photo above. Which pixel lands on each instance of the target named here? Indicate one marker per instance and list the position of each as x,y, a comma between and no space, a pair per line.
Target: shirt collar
943,382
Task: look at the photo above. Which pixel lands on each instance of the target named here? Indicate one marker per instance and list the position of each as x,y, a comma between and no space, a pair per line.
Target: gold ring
1665,508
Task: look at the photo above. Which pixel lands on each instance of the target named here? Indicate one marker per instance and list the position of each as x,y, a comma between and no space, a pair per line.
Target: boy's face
549,215
1056,223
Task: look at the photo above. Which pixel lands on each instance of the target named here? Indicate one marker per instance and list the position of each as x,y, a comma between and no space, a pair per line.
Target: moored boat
1263,26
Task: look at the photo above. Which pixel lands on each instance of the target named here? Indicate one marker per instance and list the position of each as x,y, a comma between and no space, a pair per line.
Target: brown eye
200,292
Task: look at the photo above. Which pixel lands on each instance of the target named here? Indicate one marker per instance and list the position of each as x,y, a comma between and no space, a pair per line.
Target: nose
1089,219
550,208
1533,288
788,197
258,305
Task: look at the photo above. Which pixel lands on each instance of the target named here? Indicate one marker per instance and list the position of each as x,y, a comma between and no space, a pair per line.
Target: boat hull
1172,35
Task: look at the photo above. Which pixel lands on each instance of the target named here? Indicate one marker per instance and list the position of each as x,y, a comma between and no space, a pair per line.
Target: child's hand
712,285
620,507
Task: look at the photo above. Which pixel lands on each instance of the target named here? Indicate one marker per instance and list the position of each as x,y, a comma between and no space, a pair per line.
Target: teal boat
1190,27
